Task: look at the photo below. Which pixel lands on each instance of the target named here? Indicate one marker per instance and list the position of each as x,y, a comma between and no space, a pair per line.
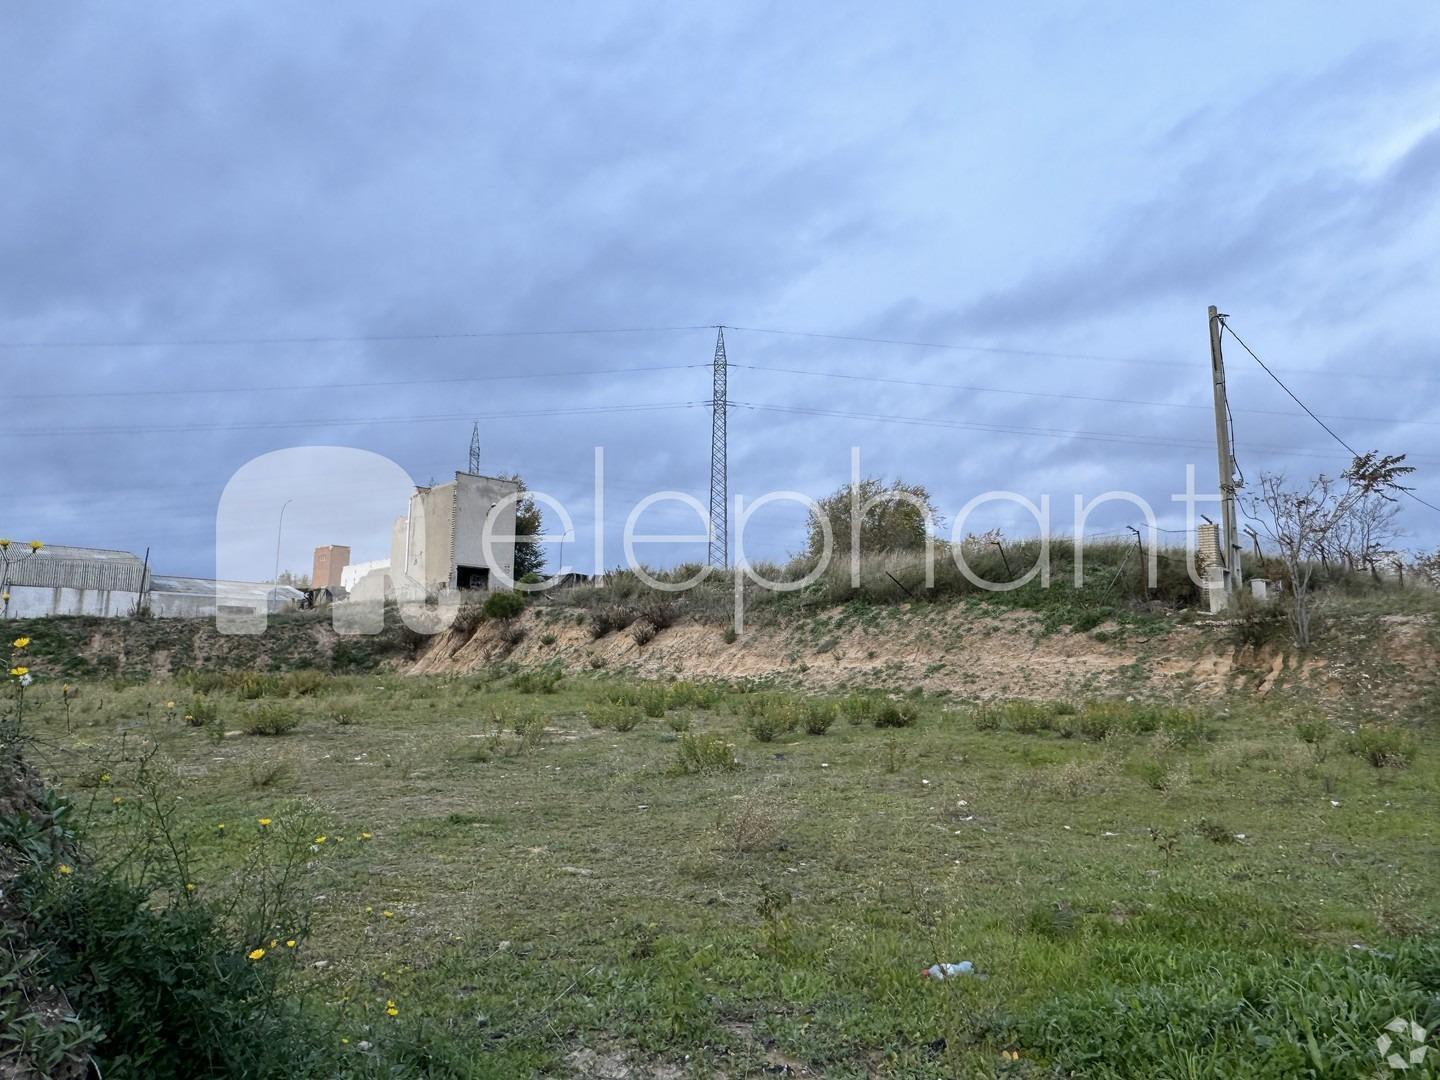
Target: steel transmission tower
719,487
475,449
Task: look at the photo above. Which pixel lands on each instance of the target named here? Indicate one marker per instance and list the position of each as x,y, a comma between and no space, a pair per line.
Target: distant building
353,574
202,598
61,580
330,563
440,543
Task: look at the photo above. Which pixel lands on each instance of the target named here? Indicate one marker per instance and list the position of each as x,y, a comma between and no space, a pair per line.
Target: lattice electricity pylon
475,449
719,486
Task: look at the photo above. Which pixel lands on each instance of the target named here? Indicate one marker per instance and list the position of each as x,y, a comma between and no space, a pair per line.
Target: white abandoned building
62,580
439,545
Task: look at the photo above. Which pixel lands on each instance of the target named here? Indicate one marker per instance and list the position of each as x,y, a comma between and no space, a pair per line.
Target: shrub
271,718
653,701
202,711
857,708
700,753
896,714
540,681
503,605
609,619
819,715
678,723
755,822
1383,747
615,717
729,636
268,772
469,617
511,633
987,717
547,640
766,726
643,631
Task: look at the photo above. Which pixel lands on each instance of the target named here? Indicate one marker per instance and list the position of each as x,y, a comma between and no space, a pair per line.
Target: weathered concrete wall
473,498
35,601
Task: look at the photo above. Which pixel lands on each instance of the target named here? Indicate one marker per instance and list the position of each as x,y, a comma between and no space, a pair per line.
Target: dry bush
755,822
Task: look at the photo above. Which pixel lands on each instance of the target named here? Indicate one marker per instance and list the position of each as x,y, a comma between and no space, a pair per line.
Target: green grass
1150,889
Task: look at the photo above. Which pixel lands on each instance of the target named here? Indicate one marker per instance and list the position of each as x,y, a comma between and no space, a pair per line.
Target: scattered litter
1110,834
1065,827
964,969
925,783
580,870
824,764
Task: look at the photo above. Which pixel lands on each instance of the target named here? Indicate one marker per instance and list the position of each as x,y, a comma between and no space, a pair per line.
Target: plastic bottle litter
949,971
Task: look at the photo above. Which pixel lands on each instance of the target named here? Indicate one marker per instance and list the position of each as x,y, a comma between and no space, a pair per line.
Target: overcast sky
1061,190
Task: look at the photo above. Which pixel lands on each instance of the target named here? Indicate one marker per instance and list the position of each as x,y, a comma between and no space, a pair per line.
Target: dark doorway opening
472,577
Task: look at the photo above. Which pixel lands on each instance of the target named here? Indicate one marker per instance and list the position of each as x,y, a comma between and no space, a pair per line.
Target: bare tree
1304,524
1367,535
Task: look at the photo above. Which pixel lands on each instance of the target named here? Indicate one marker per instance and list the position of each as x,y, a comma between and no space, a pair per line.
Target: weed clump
1383,747
271,718
701,753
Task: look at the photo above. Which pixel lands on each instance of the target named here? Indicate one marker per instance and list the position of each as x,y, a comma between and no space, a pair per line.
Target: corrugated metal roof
63,567
193,586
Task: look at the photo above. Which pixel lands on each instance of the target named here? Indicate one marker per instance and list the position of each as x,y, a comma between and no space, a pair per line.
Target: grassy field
582,876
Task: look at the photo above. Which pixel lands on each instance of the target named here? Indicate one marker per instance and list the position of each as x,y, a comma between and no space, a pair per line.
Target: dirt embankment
957,650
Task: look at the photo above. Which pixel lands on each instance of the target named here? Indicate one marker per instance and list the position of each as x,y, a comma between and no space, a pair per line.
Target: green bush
766,726
700,753
896,714
202,712
615,717
819,715
1383,747
503,605
271,718
543,680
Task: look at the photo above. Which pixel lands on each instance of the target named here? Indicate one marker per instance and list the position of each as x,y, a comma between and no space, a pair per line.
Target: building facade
440,544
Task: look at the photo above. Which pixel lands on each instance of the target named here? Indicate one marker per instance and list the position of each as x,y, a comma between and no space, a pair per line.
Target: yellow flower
221,826
63,870
4,543
21,642
169,704
264,821
256,954
320,839
36,545
17,672
290,943
104,777
364,836
274,942
344,1042
388,914
189,886
390,1009
116,801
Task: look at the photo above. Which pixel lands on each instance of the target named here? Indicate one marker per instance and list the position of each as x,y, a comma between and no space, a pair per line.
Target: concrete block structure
329,565
440,543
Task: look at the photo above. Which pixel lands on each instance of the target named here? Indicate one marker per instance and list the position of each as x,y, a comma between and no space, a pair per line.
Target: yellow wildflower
274,942
104,777
220,827
189,886
388,914
17,672
64,870
36,545
21,642
320,839
4,543
290,943
264,821
364,836
256,954
116,801
169,704
390,1009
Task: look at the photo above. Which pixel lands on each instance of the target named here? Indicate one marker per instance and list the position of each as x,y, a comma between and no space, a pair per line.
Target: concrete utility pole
1229,538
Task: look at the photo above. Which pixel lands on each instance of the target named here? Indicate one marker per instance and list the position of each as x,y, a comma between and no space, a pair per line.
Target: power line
578,373
1293,397
357,421
1058,396
1015,429
338,339
1049,355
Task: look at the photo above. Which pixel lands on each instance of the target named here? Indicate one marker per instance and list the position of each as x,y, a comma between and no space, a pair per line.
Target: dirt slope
957,650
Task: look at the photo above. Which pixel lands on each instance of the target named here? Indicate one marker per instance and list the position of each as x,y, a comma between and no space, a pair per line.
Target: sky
235,229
